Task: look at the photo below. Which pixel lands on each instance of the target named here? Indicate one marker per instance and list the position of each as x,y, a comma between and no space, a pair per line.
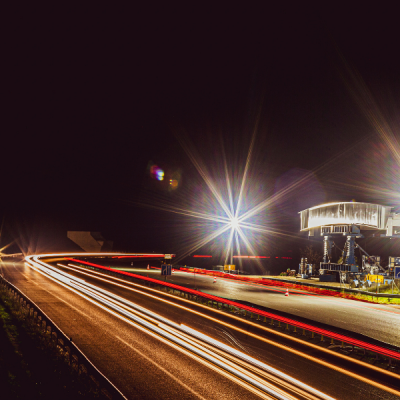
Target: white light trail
36,263
167,329
254,362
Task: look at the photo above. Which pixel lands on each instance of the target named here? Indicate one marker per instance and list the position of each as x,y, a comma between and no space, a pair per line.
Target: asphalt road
143,367
378,321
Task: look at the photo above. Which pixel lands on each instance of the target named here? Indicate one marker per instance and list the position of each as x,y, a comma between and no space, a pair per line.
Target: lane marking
211,364
332,353
161,368
299,353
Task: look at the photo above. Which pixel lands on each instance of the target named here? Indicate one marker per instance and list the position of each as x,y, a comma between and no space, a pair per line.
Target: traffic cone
215,279
173,271
287,292
148,266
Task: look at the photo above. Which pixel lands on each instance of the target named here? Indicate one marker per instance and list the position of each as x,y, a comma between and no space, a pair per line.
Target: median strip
300,325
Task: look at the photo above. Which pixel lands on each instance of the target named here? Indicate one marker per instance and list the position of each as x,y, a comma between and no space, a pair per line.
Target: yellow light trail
268,341
219,344
245,380
258,367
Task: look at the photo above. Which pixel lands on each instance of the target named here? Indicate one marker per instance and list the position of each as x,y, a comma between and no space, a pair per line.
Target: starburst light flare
228,209
232,208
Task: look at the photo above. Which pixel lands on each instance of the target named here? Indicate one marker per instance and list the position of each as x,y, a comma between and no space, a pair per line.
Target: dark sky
94,96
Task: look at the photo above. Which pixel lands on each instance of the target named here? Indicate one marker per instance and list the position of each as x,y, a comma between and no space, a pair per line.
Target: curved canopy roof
366,215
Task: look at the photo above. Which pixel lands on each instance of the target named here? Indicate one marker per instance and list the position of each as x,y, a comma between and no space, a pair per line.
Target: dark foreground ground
31,370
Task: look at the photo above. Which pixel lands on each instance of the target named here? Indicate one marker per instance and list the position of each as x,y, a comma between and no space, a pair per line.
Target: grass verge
30,368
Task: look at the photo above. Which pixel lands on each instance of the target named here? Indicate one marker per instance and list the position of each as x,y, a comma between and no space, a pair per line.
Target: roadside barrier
326,290
309,287
251,312
54,336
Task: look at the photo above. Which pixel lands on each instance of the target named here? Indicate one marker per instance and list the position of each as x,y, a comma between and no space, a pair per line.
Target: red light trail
301,325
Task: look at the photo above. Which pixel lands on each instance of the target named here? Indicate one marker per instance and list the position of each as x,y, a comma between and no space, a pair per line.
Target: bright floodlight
234,223
229,210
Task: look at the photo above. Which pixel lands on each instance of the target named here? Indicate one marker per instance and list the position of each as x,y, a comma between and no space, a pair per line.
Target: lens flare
156,173
228,211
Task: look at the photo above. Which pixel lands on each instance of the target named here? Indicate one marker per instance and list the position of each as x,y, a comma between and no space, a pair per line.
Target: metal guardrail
252,312
338,267
15,255
336,288
54,336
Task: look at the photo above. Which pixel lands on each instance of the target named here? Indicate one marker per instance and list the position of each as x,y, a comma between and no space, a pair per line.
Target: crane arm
357,245
380,267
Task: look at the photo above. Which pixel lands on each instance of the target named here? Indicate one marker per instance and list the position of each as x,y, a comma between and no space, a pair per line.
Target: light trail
164,370
269,288
93,293
107,279
293,351
167,342
254,362
273,343
301,325
118,305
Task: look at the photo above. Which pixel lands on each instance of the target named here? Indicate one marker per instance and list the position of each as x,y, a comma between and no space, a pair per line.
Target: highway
377,321
139,364
143,366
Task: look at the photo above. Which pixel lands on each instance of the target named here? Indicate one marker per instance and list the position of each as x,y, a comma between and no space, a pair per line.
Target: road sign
167,256
166,269
229,267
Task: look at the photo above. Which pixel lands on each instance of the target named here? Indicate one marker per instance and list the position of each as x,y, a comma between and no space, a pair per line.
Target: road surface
142,366
377,321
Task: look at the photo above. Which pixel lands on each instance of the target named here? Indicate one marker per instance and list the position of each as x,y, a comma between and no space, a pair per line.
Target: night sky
95,97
